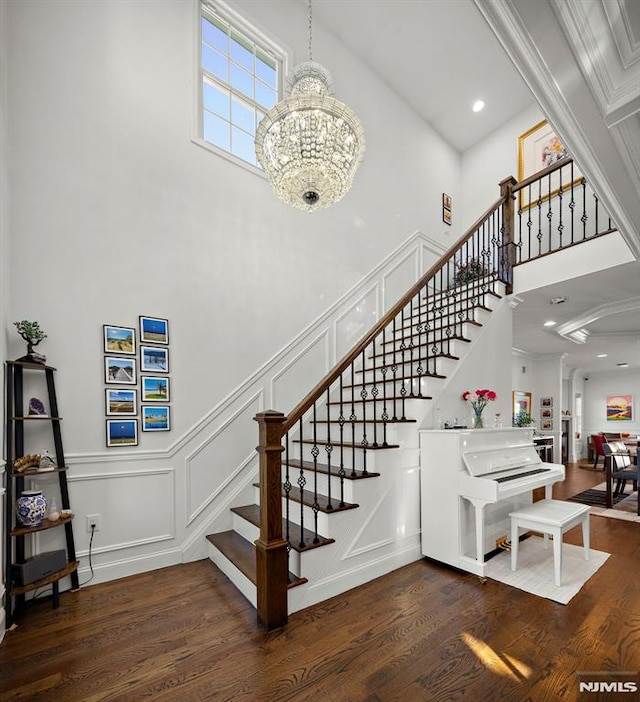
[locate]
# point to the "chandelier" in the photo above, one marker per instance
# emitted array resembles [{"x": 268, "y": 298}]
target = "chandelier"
[{"x": 310, "y": 144}]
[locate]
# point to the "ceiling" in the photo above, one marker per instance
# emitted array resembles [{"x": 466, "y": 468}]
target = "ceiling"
[{"x": 441, "y": 56}]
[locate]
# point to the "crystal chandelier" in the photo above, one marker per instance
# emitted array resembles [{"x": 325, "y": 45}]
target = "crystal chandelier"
[{"x": 310, "y": 144}]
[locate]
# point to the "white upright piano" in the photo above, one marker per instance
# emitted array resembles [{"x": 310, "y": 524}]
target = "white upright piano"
[{"x": 469, "y": 482}]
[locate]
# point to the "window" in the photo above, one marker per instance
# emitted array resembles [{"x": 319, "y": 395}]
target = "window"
[{"x": 240, "y": 81}]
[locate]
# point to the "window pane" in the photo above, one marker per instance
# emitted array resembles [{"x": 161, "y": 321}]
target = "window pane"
[
  {"x": 265, "y": 97},
  {"x": 216, "y": 131},
  {"x": 265, "y": 70},
  {"x": 241, "y": 52},
  {"x": 241, "y": 80},
  {"x": 243, "y": 146},
  {"x": 212, "y": 34},
  {"x": 215, "y": 99},
  {"x": 215, "y": 63},
  {"x": 243, "y": 116}
]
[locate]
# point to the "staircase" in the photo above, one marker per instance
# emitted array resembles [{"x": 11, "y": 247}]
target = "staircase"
[
  {"x": 341, "y": 501},
  {"x": 338, "y": 498}
]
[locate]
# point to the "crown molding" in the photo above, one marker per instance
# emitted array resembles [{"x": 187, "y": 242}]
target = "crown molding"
[{"x": 534, "y": 47}]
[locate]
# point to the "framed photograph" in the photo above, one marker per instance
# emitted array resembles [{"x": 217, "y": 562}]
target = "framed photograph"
[
  {"x": 546, "y": 414},
  {"x": 537, "y": 149},
  {"x": 156, "y": 418},
  {"x": 154, "y": 388},
  {"x": 122, "y": 432},
  {"x": 546, "y": 424},
  {"x": 521, "y": 402},
  {"x": 619, "y": 408},
  {"x": 154, "y": 330},
  {"x": 120, "y": 371},
  {"x": 546, "y": 402},
  {"x": 446, "y": 216},
  {"x": 122, "y": 402},
  {"x": 119, "y": 339},
  {"x": 154, "y": 359},
  {"x": 446, "y": 201}
]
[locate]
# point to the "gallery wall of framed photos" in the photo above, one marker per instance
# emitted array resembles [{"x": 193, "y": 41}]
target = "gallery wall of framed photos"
[{"x": 137, "y": 380}]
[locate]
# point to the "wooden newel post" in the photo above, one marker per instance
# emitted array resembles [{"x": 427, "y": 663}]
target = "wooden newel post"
[
  {"x": 508, "y": 243},
  {"x": 271, "y": 548}
]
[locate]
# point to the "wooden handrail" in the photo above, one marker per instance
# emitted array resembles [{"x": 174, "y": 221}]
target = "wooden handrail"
[
  {"x": 386, "y": 319},
  {"x": 541, "y": 174}
]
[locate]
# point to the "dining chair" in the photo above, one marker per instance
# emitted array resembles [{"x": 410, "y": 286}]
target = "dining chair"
[
  {"x": 620, "y": 467},
  {"x": 597, "y": 442}
]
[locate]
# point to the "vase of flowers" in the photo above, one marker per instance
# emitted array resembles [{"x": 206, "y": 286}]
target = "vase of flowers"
[{"x": 479, "y": 400}]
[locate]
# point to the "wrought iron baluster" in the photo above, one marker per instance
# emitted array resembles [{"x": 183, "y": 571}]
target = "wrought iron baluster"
[
  {"x": 584, "y": 217},
  {"x": 374, "y": 395},
  {"x": 352, "y": 418},
  {"x": 560, "y": 196},
  {"x": 385, "y": 414},
  {"x": 572, "y": 205},
  {"x": 329, "y": 449},
  {"x": 596, "y": 230},
  {"x": 364, "y": 443},
  {"x": 287, "y": 496},
  {"x": 302, "y": 481},
  {"x": 549, "y": 214},
  {"x": 394, "y": 370},
  {"x": 341, "y": 421},
  {"x": 315, "y": 452}
]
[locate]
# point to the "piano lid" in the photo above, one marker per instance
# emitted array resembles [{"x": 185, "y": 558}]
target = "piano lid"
[{"x": 494, "y": 460}]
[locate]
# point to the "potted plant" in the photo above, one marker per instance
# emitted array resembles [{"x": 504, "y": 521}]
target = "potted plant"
[{"x": 33, "y": 335}]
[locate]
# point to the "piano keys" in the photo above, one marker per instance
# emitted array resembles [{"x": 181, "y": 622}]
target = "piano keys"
[{"x": 470, "y": 481}]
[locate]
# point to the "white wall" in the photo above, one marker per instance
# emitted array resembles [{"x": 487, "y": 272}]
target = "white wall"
[
  {"x": 597, "y": 387},
  {"x": 486, "y": 164},
  {"x": 116, "y": 212},
  {"x": 133, "y": 218}
]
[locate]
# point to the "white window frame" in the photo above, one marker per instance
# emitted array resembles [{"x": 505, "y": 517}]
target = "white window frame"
[{"x": 256, "y": 35}]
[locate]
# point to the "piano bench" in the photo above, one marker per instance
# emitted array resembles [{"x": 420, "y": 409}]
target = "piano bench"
[{"x": 552, "y": 518}]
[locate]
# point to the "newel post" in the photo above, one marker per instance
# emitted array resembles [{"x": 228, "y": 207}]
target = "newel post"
[
  {"x": 508, "y": 243},
  {"x": 271, "y": 548}
]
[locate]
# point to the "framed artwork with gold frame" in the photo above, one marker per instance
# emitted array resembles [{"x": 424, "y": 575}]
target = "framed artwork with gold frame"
[{"x": 539, "y": 148}]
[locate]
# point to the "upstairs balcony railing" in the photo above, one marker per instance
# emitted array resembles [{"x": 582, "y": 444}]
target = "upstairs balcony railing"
[{"x": 349, "y": 409}]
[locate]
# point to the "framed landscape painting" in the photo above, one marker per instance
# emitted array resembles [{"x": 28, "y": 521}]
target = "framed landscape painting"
[
  {"x": 119, "y": 339},
  {"x": 122, "y": 402},
  {"x": 154, "y": 360},
  {"x": 154, "y": 330},
  {"x": 156, "y": 418},
  {"x": 155, "y": 389},
  {"x": 121, "y": 371},
  {"x": 122, "y": 432},
  {"x": 619, "y": 408}
]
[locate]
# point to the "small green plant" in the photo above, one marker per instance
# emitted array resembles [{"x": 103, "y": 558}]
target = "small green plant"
[
  {"x": 468, "y": 271},
  {"x": 522, "y": 419},
  {"x": 30, "y": 332}
]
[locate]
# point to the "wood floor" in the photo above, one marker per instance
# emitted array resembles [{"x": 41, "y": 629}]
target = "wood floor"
[{"x": 422, "y": 633}]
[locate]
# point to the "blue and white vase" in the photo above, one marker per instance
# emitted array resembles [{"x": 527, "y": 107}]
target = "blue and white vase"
[{"x": 31, "y": 508}]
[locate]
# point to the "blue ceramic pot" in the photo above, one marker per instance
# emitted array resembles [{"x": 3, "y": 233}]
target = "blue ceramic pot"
[{"x": 31, "y": 508}]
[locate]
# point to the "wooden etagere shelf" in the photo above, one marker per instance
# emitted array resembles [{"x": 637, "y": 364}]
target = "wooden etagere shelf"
[{"x": 15, "y": 533}]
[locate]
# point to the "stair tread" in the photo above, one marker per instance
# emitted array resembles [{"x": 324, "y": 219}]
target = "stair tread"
[
  {"x": 362, "y": 421},
  {"x": 389, "y": 399},
  {"x": 409, "y": 360},
  {"x": 300, "y": 539},
  {"x": 308, "y": 499},
  {"x": 242, "y": 554},
  {"x": 321, "y": 441},
  {"x": 324, "y": 469}
]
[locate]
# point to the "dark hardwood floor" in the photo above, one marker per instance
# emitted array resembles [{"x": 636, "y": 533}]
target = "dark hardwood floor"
[{"x": 422, "y": 633}]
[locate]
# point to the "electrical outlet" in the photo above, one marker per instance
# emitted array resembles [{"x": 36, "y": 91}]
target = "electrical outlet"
[{"x": 93, "y": 522}]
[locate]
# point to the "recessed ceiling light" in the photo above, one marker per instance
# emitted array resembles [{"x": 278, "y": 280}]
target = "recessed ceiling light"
[
  {"x": 622, "y": 365},
  {"x": 602, "y": 355},
  {"x": 478, "y": 105},
  {"x": 550, "y": 323},
  {"x": 558, "y": 300}
]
